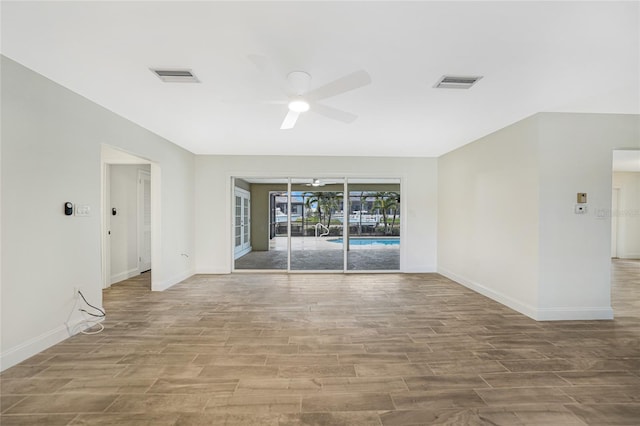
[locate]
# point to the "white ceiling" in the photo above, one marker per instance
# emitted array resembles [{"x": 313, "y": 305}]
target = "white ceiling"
[{"x": 534, "y": 56}]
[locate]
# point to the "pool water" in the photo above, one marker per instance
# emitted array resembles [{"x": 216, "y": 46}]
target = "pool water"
[{"x": 368, "y": 241}]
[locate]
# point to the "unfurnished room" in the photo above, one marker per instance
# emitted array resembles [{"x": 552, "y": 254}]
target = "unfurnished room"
[{"x": 320, "y": 213}]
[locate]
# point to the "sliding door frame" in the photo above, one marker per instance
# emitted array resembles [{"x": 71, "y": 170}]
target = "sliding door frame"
[{"x": 345, "y": 232}]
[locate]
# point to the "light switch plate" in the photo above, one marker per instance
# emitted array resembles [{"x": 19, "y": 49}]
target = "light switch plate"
[
  {"x": 581, "y": 209},
  {"x": 82, "y": 210}
]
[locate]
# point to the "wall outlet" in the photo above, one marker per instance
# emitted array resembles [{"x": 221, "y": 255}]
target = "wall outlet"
[
  {"x": 75, "y": 292},
  {"x": 581, "y": 208}
]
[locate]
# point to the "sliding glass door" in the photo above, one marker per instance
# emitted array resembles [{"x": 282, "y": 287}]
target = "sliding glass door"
[
  {"x": 317, "y": 229},
  {"x": 316, "y": 224},
  {"x": 374, "y": 225}
]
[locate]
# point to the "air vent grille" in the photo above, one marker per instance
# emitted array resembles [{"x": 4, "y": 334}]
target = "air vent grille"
[
  {"x": 456, "y": 82},
  {"x": 175, "y": 75}
]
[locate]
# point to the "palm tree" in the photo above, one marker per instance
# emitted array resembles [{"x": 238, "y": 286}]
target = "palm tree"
[
  {"x": 396, "y": 197},
  {"x": 308, "y": 199},
  {"x": 326, "y": 202},
  {"x": 386, "y": 201},
  {"x": 362, "y": 201}
]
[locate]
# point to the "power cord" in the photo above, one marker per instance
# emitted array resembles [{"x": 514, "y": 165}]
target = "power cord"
[{"x": 92, "y": 323}]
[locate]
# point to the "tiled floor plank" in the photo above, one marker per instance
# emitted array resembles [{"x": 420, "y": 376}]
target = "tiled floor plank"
[{"x": 318, "y": 349}]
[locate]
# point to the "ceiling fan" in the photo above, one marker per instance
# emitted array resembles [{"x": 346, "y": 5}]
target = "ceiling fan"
[
  {"x": 301, "y": 99},
  {"x": 315, "y": 182}
]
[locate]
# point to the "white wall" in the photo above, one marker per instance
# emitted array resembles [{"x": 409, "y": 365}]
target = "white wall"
[
  {"x": 569, "y": 277},
  {"x": 576, "y": 153},
  {"x": 51, "y": 147},
  {"x": 124, "y": 225},
  {"x": 628, "y": 214},
  {"x": 213, "y": 208},
  {"x": 488, "y": 216}
]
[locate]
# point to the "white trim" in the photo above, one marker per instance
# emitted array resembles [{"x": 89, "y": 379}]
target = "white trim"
[
  {"x": 571, "y": 313},
  {"x": 402, "y": 177},
  {"x": 426, "y": 269},
  {"x": 289, "y": 227},
  {"x": 508, "y": 301},
  {"x": 628, "y": 255},
  {"x": 232, "y": 221},
  {"x": 35, "y": 345},
  {"x": 212, "y": 271},
  {"x": 156, "y": 225},
  {"x": 142, "y": 176},
  {"x": 538, "y": 314},
  {"x": 105, "y": 223},
  {"x": 112, "y": 155},
  {"x": 32, "y": 346},
  {"x": 124, "y": 275},
  {"x": 176, "y": 279}
]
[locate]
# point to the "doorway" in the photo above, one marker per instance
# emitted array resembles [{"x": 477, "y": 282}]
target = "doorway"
[
  {"x": 625, "y": 205},
  {"x": 625, "y": 231},
  {"x": 129, "y": 216},
  {"x": 318, "y": 224},
  {"x": 242, "y": 222}
]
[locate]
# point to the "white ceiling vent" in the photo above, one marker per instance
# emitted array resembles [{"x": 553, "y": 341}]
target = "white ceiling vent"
[
  {"x": 456, "y": 82},
  {"x": 175, "y": 75}
]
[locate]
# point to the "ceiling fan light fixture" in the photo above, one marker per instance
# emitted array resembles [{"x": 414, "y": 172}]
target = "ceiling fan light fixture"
[
  {"x": 315, "y": 182},
  {"x": 299, "y": 105}
]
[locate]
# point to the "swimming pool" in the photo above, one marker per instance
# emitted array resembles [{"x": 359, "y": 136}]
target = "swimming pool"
[{"x": 369, "y": 241}]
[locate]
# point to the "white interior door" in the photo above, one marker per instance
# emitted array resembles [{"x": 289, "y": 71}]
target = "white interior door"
[
  {"x": 144, "y": 220},
  {"x": 242, "y": 222}
]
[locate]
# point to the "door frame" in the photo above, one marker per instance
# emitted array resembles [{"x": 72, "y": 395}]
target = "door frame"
[
  {"x": 231, "y": 179},
  {"x": 245, "y": 245},
  {"x": 110, "y": 156},
  {"x": 142, "y": 175}
]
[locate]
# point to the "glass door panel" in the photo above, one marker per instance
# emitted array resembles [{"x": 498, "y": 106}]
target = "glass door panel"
[
  {"x": 374, "y": 225},
  {"x": 317, "y": 224},
  {"x": 260, "y": 224}
]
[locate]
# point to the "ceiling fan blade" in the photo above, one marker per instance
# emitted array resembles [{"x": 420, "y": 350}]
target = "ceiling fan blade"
[
  {"x": 290, "y": 120},
  {"x": 334, "y": 113},
  {"x": 343, "y": 84}
]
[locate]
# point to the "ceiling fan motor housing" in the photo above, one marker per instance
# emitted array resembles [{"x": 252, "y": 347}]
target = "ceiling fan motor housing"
[{"x": 299, "y": 82}]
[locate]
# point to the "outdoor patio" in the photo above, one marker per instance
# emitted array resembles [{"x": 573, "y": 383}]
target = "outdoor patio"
[{"x": 320, "y": 254}]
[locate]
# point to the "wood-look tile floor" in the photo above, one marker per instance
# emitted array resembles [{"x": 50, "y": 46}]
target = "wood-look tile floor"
[{"x": 270, "y": 349}]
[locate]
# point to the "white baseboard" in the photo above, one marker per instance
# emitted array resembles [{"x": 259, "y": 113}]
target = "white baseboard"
[
  {"x": 574, "y": 314},
  {"x": 124, "y": 275},
  {"x": 508, "y": 301},
  {"x": 539, "y": 314},
  {"x": 39, "y": 343},
  {"x": 426, "y": 269},
  {"x": 170, "y": 282},
  {"x": 628, "y": 255},
  {"x": 212, "y": 271}
]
